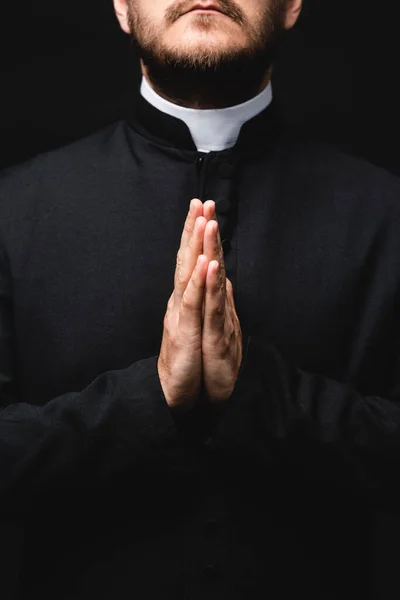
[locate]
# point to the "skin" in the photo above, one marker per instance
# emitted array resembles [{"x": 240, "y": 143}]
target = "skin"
[
  {"x": 207, "y": 60},
  {"x": 204, "y": 61}
]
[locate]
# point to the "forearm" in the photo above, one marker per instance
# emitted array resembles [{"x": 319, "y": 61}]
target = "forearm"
[{"x": 319, "y": 427}]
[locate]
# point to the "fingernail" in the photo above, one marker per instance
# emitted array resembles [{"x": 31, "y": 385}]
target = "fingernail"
[{"x": 191, "y": 207}]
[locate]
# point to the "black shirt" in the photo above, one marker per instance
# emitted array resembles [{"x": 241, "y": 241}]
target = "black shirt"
[{"x": 111, "y": 495}]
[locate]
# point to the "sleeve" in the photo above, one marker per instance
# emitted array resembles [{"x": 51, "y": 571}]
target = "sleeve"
[
  {"x": 312, "y": 427},
  {"x": 120, "y": 421}
]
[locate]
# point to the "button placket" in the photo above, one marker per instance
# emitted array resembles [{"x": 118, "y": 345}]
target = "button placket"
[{"x": 216, "y": 182}]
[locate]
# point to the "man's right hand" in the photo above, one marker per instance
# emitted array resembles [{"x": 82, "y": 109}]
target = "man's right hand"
[{"x": 180, "y": 361}]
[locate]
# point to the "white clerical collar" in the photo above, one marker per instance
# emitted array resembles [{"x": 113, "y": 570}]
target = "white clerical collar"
[{"x": 211, "y": 129}]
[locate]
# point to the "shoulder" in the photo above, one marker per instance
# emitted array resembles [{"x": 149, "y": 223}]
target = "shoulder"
[
  {"x": 61, "y": 168},
  {"x": 326, "y": 172},
  {"x": 59, "y": 187},
  {"x": 326, "y": 161}
]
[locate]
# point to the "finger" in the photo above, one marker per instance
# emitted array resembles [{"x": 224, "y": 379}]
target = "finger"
[
  {"x": 191, "y": 247},
  {"x": 214, "y": 302},
  {"x": 213, "y": 247},
  {"x": 186, "y": 261},
  {"x": 190, "y": 322},
  {"x": 229, "y": 291},
  {"x": 209, "y": 210},
  {"x": 195, "y": 210}
]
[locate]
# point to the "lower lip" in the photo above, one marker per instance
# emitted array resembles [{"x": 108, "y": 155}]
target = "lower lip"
[{"x": 202, "y": 10}]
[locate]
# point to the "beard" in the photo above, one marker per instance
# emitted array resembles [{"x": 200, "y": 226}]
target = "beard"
[{"x": 208, "y": 77}]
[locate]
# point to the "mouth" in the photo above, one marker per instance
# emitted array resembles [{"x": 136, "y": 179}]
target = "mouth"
[{"x": 207, "y": 7}]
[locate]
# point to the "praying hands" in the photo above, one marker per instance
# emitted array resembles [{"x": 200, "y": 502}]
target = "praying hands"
[{"x": 202, "y": 337}]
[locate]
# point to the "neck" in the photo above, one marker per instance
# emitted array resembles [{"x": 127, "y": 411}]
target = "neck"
[{"x": 205, "y": 90}]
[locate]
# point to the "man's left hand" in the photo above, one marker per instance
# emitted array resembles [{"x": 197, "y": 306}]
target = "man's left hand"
[{"x": 222, "y": 342}]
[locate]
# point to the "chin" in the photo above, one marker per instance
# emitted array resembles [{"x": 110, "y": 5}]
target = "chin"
[
  {"x": 206, "y": 26},
  {"x": 189, "y": 40},
  {"x": 198, "y": 54}
]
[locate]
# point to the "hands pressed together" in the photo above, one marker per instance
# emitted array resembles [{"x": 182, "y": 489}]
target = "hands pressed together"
[{"x": 202, "y": 338}]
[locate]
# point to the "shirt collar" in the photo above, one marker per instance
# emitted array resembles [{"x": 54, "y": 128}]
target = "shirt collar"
[
  {"x": 256, "y": 134},
  {"x": 212, "y": 130}
]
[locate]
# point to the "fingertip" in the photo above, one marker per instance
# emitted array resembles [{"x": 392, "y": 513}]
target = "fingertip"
[
  {"x": 201, "y": 271},
  {"x": 214, "y": 266},
  {"x": 209, "y": 209},
  {"x": 200, "y": 260},
  {"x": 194, "y": 204},
  {"x": 211, "y": 279}
]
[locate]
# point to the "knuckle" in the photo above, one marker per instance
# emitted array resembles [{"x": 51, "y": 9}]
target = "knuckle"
[
  {"x": 220, "y": 310},
  {"x": 166, "y": 322},
  {"x": 169, "y": 342},
  {"x": 188, "y": 228},
  {"x": 181, "y": 278},
  {"x": 179, "y": 259},
  {"x": 231, "y": 334},
  {"x": 186, "y": 303},
  {"x": 171, "y": 301},
  {"x": 222, "y": 344}
]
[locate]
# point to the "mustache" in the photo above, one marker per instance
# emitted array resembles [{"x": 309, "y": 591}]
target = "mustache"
[{"x": 227, "y": 7}]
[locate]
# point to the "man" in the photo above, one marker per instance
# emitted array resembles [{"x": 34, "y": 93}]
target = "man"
[{"x": 233, "y": 438}]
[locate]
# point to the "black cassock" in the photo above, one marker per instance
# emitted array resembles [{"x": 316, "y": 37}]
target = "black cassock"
[{"x": 106, "y": 494}]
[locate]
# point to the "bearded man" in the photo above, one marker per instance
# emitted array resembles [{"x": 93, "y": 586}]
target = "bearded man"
[{"x": 199, "y": 403}]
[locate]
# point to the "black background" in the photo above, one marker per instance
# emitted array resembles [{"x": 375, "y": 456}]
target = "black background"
[{"x": 67, "y": 69}]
